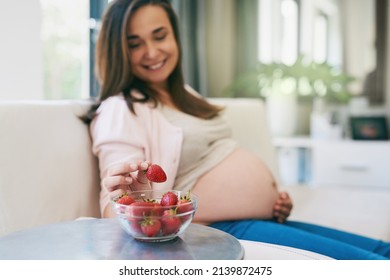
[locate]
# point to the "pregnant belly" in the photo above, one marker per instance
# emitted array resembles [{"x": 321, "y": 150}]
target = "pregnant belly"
[{"x": 240, "y": 187}]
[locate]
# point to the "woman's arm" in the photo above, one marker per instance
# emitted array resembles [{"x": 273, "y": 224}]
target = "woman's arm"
[{"x": 116, "y": 141}]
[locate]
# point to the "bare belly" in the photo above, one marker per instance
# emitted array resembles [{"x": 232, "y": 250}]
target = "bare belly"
[{"x": 240, "y": 187}]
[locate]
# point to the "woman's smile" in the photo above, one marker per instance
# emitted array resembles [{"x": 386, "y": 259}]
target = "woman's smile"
[{"x": 155, "y": 66}]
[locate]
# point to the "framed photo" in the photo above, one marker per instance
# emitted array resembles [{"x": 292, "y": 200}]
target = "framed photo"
[{"x": 369, "y": 128}]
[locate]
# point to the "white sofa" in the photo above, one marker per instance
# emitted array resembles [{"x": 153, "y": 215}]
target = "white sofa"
[{"x": 48, "y": 173}]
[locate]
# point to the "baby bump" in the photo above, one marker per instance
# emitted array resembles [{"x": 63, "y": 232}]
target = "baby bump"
[{"x": 240, "y": 187}]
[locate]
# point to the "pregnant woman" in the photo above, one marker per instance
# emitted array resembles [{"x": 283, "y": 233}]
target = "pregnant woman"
[{"x": 146, "y": 114}]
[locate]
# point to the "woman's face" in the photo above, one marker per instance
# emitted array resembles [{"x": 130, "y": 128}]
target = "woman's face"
[{"x": 153, "y": 50}]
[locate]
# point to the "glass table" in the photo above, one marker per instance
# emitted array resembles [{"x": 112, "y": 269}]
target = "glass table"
[{"x": 104, "y": 239}]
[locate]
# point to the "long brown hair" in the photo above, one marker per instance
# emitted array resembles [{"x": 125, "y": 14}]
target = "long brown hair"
[{"x": 113, "y": 69}]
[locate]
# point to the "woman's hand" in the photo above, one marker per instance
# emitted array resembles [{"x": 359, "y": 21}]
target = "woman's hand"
[
  {"x": 126, "y": 176},
  {"x": 282, "y": 207}
]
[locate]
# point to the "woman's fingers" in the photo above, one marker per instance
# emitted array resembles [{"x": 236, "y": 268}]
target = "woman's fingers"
[
  {"x": 280, "y": 216},
  {"x": 141, "y": 176},
  {"x": 285, "y": 211},
  {"x": 122, "y": 168},
  {"x": 125, "y": 176},
  {"x": 283, "y": 206},
  {"x": 112, "y": 183},
  {"x": 286, "y": 200}
]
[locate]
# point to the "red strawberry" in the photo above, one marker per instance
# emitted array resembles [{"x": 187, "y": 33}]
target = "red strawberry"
[
  {"x": 150, "y": 227},
  {"x": 156, "y": 174},
  {"x": 135, "y": 225},
  {"x": 157, "y": 210},
  {"x": 125, "y": 199},
  {"x": 146, "y": 208},
  {"x": 184, "y": 205},
  {"x": 141, "y": 208},
  {"x": 169, "y": 199},
  {"x": 170, "y": 223}
]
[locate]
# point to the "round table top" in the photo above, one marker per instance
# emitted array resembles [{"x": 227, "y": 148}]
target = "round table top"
[{"x": 105, "y": 239}]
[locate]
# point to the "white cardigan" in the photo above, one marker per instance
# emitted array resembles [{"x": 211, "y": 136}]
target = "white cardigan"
[{"x": 120, "y": 136}]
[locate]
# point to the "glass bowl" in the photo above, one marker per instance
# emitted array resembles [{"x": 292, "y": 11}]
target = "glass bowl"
[{"x": 146, "y": 219}]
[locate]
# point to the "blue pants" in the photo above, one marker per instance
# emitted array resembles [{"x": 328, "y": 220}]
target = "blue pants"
[{"x": 326, "y": 241}]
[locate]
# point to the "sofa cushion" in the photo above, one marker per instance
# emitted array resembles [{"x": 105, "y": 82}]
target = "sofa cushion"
[
  {"x": 357, "y": 210},
  {"x": 48, "y": 173}
]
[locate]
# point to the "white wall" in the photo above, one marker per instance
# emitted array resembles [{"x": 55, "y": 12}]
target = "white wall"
[{"x": 21, "y": 74}]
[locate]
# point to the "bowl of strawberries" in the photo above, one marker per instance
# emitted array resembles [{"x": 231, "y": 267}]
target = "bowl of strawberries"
[{"x": 155, "y": 216}]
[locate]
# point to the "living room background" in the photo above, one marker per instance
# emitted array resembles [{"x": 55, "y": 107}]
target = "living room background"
[{"x": 221, "y": 40}]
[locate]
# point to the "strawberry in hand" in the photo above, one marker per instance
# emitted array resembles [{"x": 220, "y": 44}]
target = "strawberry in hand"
[{"x": 156, "y": 174}]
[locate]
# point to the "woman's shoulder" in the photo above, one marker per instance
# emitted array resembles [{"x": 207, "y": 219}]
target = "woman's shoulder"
[
  {"x": 117, "y": 105},
  {"x": 114, "y": 113},
  {"x": 115, "y": 102},
  {"x": 112, "y": 109},
  {"x": 112, "y": 101},
  {"x": 119, "y": 100}
]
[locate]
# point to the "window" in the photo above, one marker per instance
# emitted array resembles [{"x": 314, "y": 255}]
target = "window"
[
  {"x": 69, "y": 32},
  {"x": 278, "y": 31},
  {"x": 320, "y": 38},
  {"x": 288, "y": 28},
  {"x": 65, "y": 43},
  {"x": 96, "y": 10},
  {"x": 289, "y": 31}
]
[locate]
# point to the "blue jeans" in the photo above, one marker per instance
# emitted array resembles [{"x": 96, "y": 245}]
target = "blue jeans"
[{"x": 326, "y": 241}]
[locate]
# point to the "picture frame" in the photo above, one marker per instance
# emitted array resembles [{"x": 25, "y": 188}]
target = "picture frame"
[{"x": 369, "y": 128}]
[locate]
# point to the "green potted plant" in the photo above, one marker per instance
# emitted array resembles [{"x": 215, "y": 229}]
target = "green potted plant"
[
  {"x": 304, "y": 79},
  {"x": 283, "y": 86}
]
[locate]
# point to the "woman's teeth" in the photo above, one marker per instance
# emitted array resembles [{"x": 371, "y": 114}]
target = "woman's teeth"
[{"x": 156, "y": 66}]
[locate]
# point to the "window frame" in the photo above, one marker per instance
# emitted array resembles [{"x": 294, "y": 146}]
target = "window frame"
[{"x": 96, "y": 9}]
